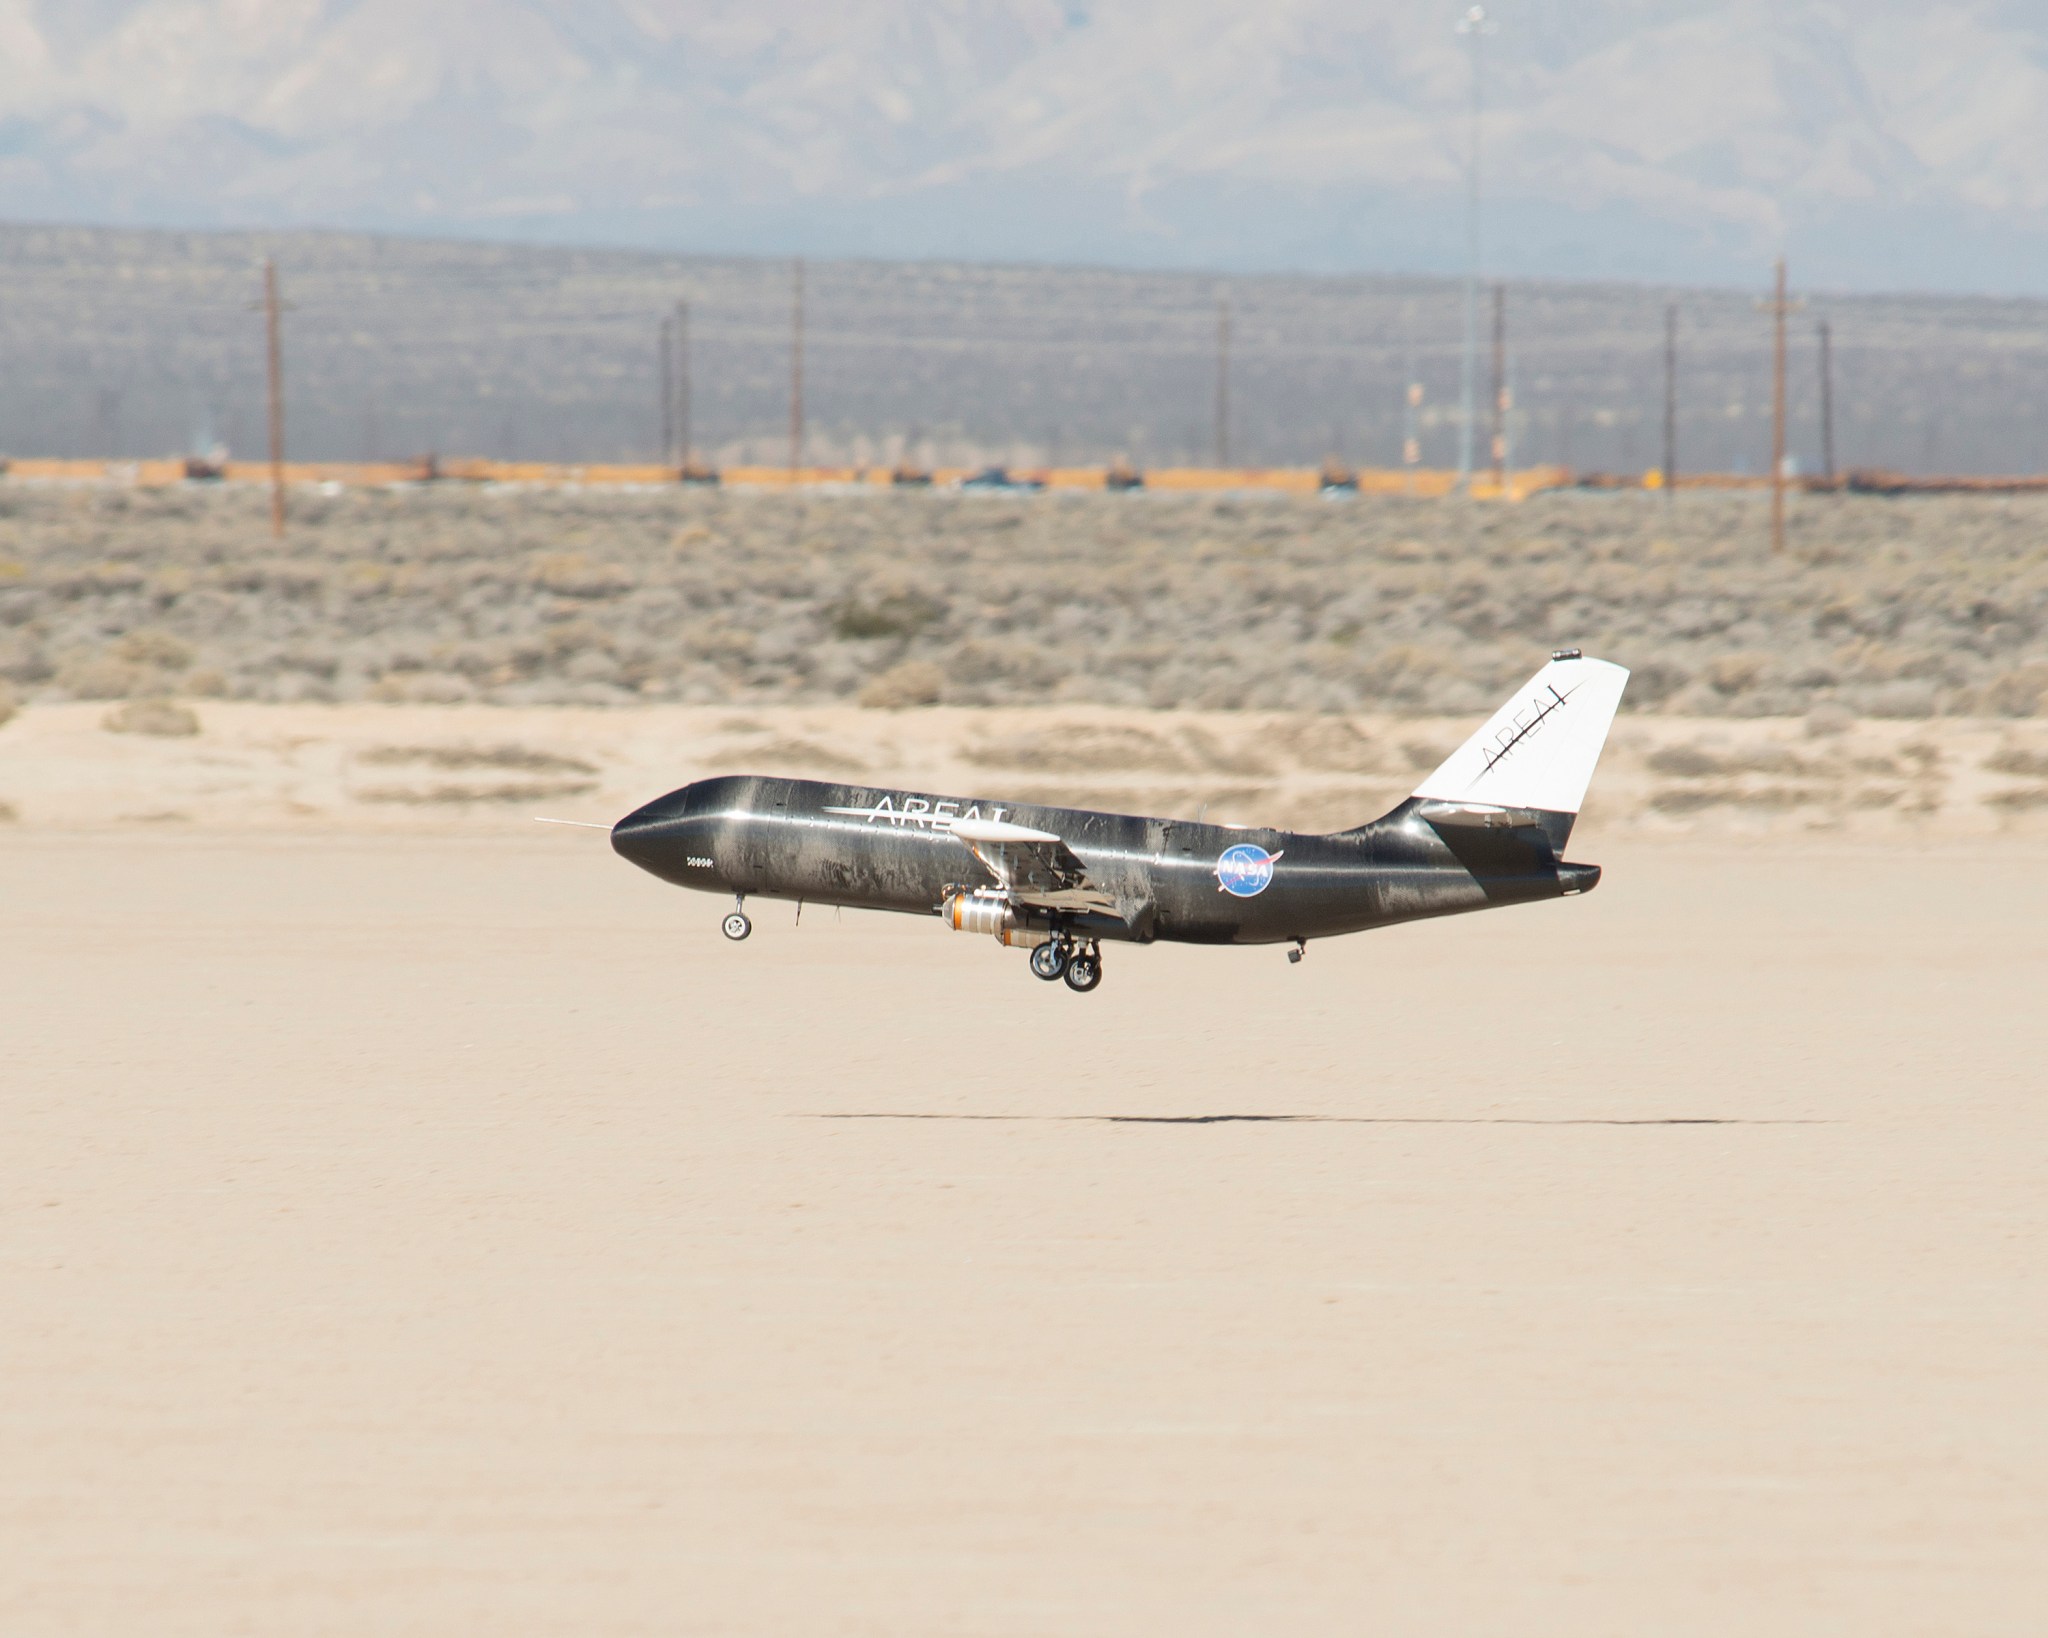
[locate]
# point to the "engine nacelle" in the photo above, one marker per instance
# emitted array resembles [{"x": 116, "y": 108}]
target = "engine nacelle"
[{"x": 995, "y": 915}]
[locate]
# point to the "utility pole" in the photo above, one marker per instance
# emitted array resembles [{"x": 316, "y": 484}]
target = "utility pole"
[
  {"x": 107, "y": 422},
  {"x": 1411, "y": 435},
  {"x": 796, "y": 372},
  {"x": 1670, "y": 400},
  {"x": 685, "y": 435},
  {"x": 1779, "y": 308},
  {"x": 668, "y": 393},
  {"x": 1475, "y": 27},
  {"x": 273, "y": 326},
  {"x": 1827, "y": 403},
  {"x": 1223, "y": 381},
  {"x": 1500, "y": 390}
]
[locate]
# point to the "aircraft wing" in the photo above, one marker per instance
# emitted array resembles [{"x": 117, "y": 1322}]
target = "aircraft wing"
[{"x": 1034, "y": 867}]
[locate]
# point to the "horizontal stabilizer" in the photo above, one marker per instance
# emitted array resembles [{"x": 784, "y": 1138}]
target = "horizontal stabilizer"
[{"x": 1540, "y": 749}]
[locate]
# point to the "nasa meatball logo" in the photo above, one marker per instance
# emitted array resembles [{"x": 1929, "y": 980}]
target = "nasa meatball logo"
[{"x": 1246, "y": 871}]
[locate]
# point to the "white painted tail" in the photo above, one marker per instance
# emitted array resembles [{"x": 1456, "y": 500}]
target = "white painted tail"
[{"x": 1540, "y": 749}]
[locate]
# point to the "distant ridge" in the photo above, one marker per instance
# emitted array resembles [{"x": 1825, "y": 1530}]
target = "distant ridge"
[{"x": 1886, "y": 144}]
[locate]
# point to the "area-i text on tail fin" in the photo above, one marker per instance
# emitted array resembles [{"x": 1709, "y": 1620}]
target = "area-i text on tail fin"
[{"x": 1538, "y": 751}]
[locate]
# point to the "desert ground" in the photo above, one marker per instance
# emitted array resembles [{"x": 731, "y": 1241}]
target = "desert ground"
[
  {"x": 416, "y": 1220},
  {"x": 413, "y": 1232}
]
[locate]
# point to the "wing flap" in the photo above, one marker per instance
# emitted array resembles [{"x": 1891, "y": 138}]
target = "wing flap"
[{"x": 1034, "y": 867}]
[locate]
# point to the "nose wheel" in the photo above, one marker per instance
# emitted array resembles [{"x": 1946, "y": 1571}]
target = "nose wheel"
[{"x": 736, "y": 926}]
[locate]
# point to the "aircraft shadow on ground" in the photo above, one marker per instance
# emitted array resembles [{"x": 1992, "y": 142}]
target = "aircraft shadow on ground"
[{"x": 1344, "y": 1120}]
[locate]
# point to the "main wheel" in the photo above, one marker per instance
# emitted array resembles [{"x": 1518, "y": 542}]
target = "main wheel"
[
  {"x": 1084, "y": 972},
  {"x": 1049, "y": 962},
  {"x": 737, "y": 927}
]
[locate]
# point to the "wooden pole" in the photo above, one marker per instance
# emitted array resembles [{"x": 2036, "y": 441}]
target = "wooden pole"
[
  {"x": 1827, "y": 403},
  {"x": 685, "y": 438},
  {"x": 1778, "y": 414},
  {"x": 796, "y": 372},
  {"x": 1411, "y": 436},
  {"x": 1670, "y": 400},
  {"x": 668, "y": 393},
  {"x": 273, "y": 325},
  {"x": 1222, "y": 381},
  {"x": 1500, "y": 389}
]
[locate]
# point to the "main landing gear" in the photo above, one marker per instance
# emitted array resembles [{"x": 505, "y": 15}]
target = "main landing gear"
[
  {"x": 736, "y": 926},
  {"x": 1079, "y": 964}
]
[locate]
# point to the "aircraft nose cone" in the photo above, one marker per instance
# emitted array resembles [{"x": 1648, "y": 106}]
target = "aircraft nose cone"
[
  {"x": 652, "y": 837},
  {"x": 636, "y": 838}
]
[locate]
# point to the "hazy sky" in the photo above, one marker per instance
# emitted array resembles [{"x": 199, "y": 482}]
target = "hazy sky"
[{"x": 1884, "y": 144}]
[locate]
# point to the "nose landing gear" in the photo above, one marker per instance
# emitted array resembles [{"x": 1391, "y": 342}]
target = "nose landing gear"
[{"x": 736, "y": 926}]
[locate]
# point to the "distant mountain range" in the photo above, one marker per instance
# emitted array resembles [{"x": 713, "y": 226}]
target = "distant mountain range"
[{"x": 1887, "y": 145}]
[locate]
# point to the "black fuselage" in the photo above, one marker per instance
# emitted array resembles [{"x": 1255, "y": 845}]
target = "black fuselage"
[{"x": 750, "y": 836}]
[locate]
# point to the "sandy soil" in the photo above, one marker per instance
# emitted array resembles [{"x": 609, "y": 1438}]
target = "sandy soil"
[
  {"x": 489, "y": 770},
  {"x": 413, "y": 1233}
]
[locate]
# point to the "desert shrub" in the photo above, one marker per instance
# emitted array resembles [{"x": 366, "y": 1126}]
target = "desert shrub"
[
  {"x": 1736, "y": 673},
  {"x": 2019, "y": 693},
  {"x": 165, "y": 719},
  {"x": 1328, "y": 745},
  {"x": 2015, "y": 759},
  {"x": 914, "y": 682},
  {"x": 1652, "y": 683},
  {"x": 802, "y": 757},
  {"x": 995, "y": 661},
  {"x": 898, "y": 614},
  {"x": 1828, "y": 719},
  {"x": 149, "y": 647},
  {"x": 421, "y": 688},
  {"x": 1079, "y": 747},
  {"x": 104, "y": 678},
  {"x": 522, "y": 758},
  {"x": 1901, "y": 700},
  {"x": 7, "y": 706},
  {"x": 22, "y": 660},
  {"x": 570, "y": 574},
  {"x": 1772, "y": 759},
  {"x": 1685, "y": 762},
  {"x": 537, "y": 790}
]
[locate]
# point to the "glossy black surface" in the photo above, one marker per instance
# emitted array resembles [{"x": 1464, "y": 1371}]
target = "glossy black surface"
[{"x": 890, "y": 850}]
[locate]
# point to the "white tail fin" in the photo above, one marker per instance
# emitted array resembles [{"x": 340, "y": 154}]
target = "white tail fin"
[{"x": 1540, "y": 749}]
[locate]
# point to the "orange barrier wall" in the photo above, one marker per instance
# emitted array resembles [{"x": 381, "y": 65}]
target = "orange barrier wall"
[{"x": 1423, "y": 483}]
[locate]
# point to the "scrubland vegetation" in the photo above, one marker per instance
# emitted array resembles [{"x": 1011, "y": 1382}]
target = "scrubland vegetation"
[{"x": 1879, "y": 608}]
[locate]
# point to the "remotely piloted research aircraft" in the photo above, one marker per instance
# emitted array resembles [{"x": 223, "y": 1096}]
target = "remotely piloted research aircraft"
[{"x": 1489, "y": 827}]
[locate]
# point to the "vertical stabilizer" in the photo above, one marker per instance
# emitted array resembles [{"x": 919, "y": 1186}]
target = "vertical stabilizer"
[{"x": 1539, "y": 750}]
